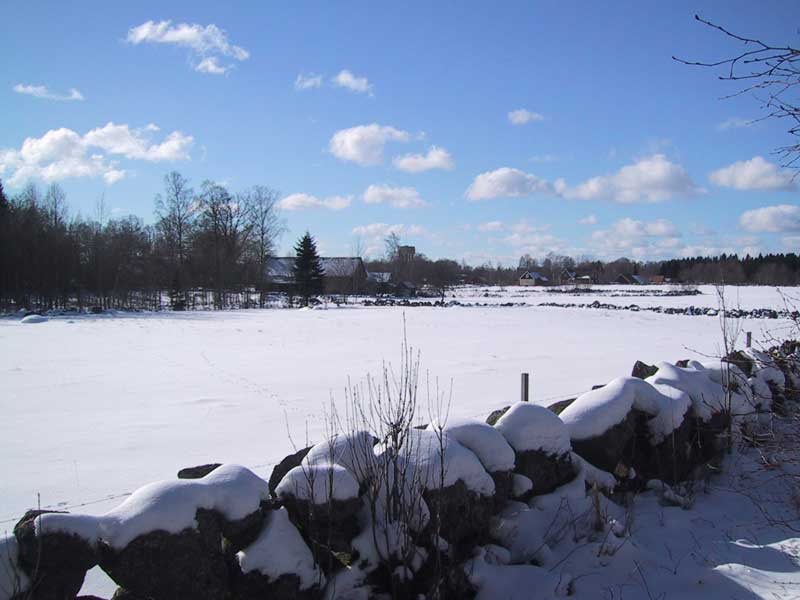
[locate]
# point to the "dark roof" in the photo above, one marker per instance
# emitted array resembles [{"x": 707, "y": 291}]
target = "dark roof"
[{"x": 279, "y": 269}]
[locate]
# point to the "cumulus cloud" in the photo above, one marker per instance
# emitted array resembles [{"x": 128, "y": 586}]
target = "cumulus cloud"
[
  {"x": 63, "y": 153},
  {"x": 521, "y": 116},
  {"x": 588, "y": 220},
  {"x": 41, "y": 91},
  {"x": 436, "y": 158},
  {"x": 651, "y": 179},
  {"x": 134, "y": 143},
  {"x": 491, "y": 226},
  {"x": 783, "y": 218},
  {"x": 506, "y": 182},
  {"x": 364, "y": 144},
  {"x": 375, "y": 233},
  {"x": 399, "y": 197},
  {"x": 294, "y": 202},
  {"x": 753, "y": 174},
  {"x": 307, "y": 82},
  {"x": 345, "y": 79},
  {"x": 640, "y": 239},
  {"x": 206, "y": 44}
]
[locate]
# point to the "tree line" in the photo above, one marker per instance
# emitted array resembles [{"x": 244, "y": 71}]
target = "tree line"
[
  {"x": 208, "y": 249},
  {"x": 209, "y": 238}
]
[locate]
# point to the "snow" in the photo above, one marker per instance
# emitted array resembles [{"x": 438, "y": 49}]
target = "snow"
[
  {"x": 12, "y": 579},
  {"x": 280, "y": 550},
  {"x": 706, "y": 395},
  {"x": 595, "y": 412},
  {"x": 520, "y": 485},
  {"x": 33, "y": 319},
  {"x": 170, "y": 506},
  {"x": 485, "y": 441},
  {"x": 181, "y": 389},
  {"x": 318, "y": 483},
  {"x": 527, "y": 426},
  {"x": 351, "y": 451},
  {"x": 440, "y": 461}
]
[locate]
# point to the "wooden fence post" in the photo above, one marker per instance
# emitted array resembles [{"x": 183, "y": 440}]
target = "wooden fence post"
[
  {"x": 749, "y": 339},
  {"x": 525, "y": 387}
]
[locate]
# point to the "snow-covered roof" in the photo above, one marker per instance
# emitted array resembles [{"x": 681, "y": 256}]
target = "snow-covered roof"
[
  {"x": 534, "y": 275},
  {"x": 279, "y": 269},
  {"x": 379, "y": 277}
]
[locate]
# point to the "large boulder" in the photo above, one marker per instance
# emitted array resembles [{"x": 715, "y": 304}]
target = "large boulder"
[
  {"x": 615, "y": 447},
  {"x": 642, "y": 370},
  {"x": 323, "y": 502},
  {"x": 197, "y": 472},
  {"x": 54, "y": 561},
  {"x": 464, "y": 515},
  {"x": 541, "y": 443},
  {"x": 278, "y": 564},
  {"x": 189, "y": 565},
  {"x": 286, "y": 465}
]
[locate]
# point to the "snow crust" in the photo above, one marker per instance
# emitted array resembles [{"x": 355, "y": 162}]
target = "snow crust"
[
  {"x": 280, "y": 550},
  {"x": 170, "y": 506},
  {"x": 429, "y": 455},
  {"x": 528, "y": 426},
  {"x": 486, "y": 442},
  {"x": 595, "y": 412},
  {"x": 318, "y": 483},
  {"x": 707, "y": 396},
  {"x": 352, "y": 451},
  {"x": 33, "y": 319}
]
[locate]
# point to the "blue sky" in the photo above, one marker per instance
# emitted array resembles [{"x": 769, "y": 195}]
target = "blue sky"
[{"x": 478, "y": 131}]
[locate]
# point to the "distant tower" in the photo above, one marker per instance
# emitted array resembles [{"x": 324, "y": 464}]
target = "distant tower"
[{"x": 406, "y": 253}]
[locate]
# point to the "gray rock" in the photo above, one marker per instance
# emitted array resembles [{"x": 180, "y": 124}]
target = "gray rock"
[
  {"x": 643, "y": 370},
  {"x": 464, "y": 515},
  {"x": 56, "y": 563},
  {"x": 495, "y": 415},
  {"x": 197, "y": 472},
  {"x": 286, "y": 465},
  {"x": 546, "y": 471},
  {"x": 189, "y": 565}
]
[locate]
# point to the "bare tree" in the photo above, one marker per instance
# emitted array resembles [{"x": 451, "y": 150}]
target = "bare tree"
[
  {"x": 266, "y": 226},
  {"x": 771, "y": 73},
  {"x": 176, "y": 211}
]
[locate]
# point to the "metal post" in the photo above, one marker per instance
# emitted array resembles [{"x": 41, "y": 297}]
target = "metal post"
[
  {"x": 749, "y": 338},
  {"x": 525, "y": 383}
]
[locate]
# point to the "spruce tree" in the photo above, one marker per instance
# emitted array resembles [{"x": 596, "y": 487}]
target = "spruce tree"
[{"x": 307, "y": 269}]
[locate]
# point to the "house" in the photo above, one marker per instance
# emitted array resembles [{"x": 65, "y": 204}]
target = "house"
[
  {"x": 567, "y": 276},
  {"x": 343, "y": 274},
  {"x": 657, "y": 279},
  {"x": 405, "y": 289},
  {"x": 628, "y": 279},
  {"x": 379, "y": 283},
  {"x": 533, "y": 278}
]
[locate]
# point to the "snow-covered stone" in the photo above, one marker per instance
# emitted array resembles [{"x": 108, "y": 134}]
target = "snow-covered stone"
[{"x": 528, "y": 426}]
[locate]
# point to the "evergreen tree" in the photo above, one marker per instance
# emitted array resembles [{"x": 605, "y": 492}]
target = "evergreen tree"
[{"x": 307, "y": 269}]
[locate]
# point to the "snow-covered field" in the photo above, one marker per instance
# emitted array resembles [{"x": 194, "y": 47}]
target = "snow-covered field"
[{"x": 94, "y": 406}]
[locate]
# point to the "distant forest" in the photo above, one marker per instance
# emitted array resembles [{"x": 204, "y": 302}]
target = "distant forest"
[{"x": 217, "y": 242}]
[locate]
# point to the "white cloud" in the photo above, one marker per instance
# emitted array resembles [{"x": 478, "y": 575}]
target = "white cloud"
[
  {"x": 41, "y": 91},
  {"x": 735, "y": 123},
  {"x": 132, "y": 143},
  {"x": 207, "y": 44},
  {"x": 506, "y": 182},
  {"x": 791, "y": 242},
  {"x": 588, "y": 220},
  {"x": 639, "y": 239},
  {"x": 651, "y": 179},
  {"x": 521, "y": 116},
  {"x": 436, "y": 158},
  {"x": 346, "y": 79},
  {"x": 302, "y": 201},
  {"x": 211, "y": 65},
  {"x": 753, "y": 174},
  {"x": 375, "y": 232},
  {"x": 63, "y": 153},
  {"x": 364, "y": 144},
  {"x": 399, "y": 197},
  {"x": 491, "y": 226},
  {"x": 783, "y": 218},
  {"x": 307, "y": 82}
]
